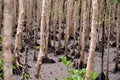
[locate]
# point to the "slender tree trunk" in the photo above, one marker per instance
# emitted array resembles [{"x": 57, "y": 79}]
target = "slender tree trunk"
[
  {"x": 36, "y": 17},
  {"x": 113, "y": 7},
  {"x": 75, "y": 18},
  {"x": 7, "y": 40},
  {"x": 80, "y": 25},
  {"x": 55, "y": 18},
  {"x": 18, "y": 40},
  {"x": 100, "y": 5},
  {"x": 42, "y": 42},
  {"x": 103, "y": 38},
  {"x": 48, "y": 8},
  {"x": 93, "y": 40},
  {"x": 28, "y": 20},
  {"x": 20, "y": 25},
  {"x": 1, "y": 14},
  {"x": 108, "y": 42},
  {"x": 83, "y": 34},
  {"x": 68, "y": 24},
  {"x": 118, "y": 30},
  {"x": 60, "y": 22},
  {"x": 25, "y": 69},
  {"x": 88, "y": 23},
  {"x": 35, "y": 23},
  {"x": 14, "y": 16}
]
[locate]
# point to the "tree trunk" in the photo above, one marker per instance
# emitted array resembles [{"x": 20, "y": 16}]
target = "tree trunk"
[
  {"x": 83, "y": 33},
  {"x": 35, "y": 24},
  {"x": 7, "y": 40},
  {"x": 108, "y": 41},
  {"x": 36, "y": 17},
  {"x": 60, "y": 22},
  {"x": 75, "y": 20},
  {"x": 42, "y": 42},
  {"x": 28, "y": 20},
  {"x": 100, "y": 6},
  {"x": 18, "y": 40},
  {"x": 93, "y": 40},
  {"x": 1, "y": 14},
  {"x": 117, "y": 37},
  {"x": 68, "y": 24},
  {"x": 48, "y": 8},
  {"x": 55, "y": 18},
  {"x": 15, "y": 8}
]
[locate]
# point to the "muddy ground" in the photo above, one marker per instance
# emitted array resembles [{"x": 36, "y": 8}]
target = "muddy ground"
[{"x": 58, "y": 71}]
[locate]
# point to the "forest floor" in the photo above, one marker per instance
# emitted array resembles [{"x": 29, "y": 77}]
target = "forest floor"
[{"x": 58, "y": 71}]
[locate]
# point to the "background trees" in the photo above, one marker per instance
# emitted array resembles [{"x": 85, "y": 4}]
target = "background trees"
[{"x": 60, "y": 27}]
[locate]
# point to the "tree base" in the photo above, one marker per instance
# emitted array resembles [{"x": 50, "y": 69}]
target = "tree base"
[
  {"x": 34, "y": 58},
  {"x": 79, "y": 65},
  {"x": 47, "y": 60},
  {"x": 101, "y": 76},
  {"x": 51, "y": 49},
  {"x": 77, "y": 56},
  {"x": 59, "y": 52},
  {"x": 18, "y": 69},
  {"x": 115, "y": 70},
  {"x": 73, "y": 53}
]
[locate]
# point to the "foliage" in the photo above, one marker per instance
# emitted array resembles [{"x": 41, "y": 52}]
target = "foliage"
[
  {"x": 94, "y": 75},
  {"x": 65, "y": 62},
  {"x": 1, "y": 64},
  {"x": 80, "y": 75},
  {"x": 118, "y": 1},
  {"x": 0, "y": 39},
  {"x": 114, "y": 1},
  {"x": 56, "y": 78},
  {"x": 76, "y": 74},
  {"x": 26, "y": 76},
  {"x": 75, "y": 0},
  {"x": 99, "y": 19},
  {"x": 37, "y": 48},
  {"x": 1, "y": 68},
  {"x": 0, "y": 52}
]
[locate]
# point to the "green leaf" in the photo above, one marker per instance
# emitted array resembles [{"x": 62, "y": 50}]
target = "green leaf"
[
  {"x": 82, "y": 73},
  {"x": 99, "y": 19},
  {"x": 94, "y": 75},
  {"x": 71, "y": 72},
  {"x": 75, "y": 0},
  {"x": 1, "y": 64},
  {"x": 0, "y": 39},
  {"x": 63, "y": 58},
  {"x": 0, "y": 52},
  {"x": 1, "y": 75},
  {"x": 74, "y": 77},
  {"x": 13, "y": 67},
  {"x": 68, "y": 63},
  {"x": 111, "y": 1},
  {"x": 69, "y": 78},
  {"x": 118, "y": 1},
  {"x": 37, "y": 48},
  {"x": 65, "y": 62},
  {"x": 26, "y": 75},
  {"x": 114, "y": 1},
  {"x": 56, "y": 78}
]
